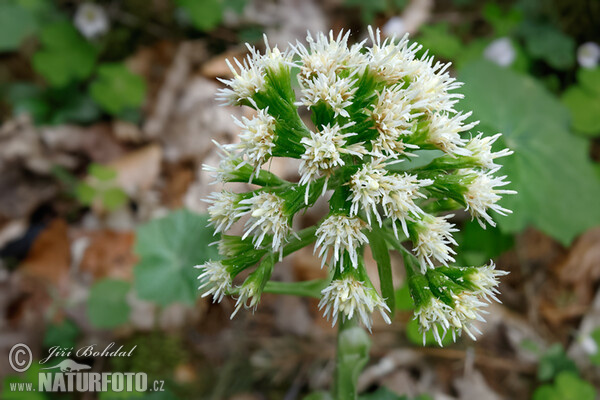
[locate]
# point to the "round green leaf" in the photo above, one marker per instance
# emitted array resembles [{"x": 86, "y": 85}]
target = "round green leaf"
[
  {"x": 117, "y": 89},
  {"x": 107, "y": 305}
]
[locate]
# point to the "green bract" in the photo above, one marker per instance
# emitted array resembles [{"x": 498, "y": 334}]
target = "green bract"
[{"x": 373, "y": 109}]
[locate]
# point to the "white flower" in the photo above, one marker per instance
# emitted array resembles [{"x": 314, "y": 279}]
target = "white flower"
[
  {"x": 349, "y": 296},
  {"x": 501, "y": 51},
  {"x": 480, "y": 147},
  {"x": 248, "y": 297},
  {"x": 431, "y": 315},
  {"x": 341, "y": 233},
  {"x": 273, "y": 59},
  {"x": 391, "y": 115},
  {"x": 91, "y": 20},
  {"x": 588, "y": 55},
  {"x": 244, "y": 84},
  {"x": 225, "y": 171},
  {"x": 444, "y": 133},
  {"x": 223, "y": 211},
  {"x": 431, "y": 86},
  {"x": 256, "y": 138},
  {"x": 326, "y": 55},
  {"x": 466, "y": 310},
  {"x": 367, "y": 190},
  {"x": 481, "y": 195},
  {"x": 332, "y": 90},
  {"x": 217, "y": 280},
  {"x": 400, "y": 193},
  {"x": 324, "y": 150},
  {"x": 486, "y": 279},
  {"x": 267, "y": 217},
  {"x": 391, "y": 61},
  {"x": 434, "y": 237}
]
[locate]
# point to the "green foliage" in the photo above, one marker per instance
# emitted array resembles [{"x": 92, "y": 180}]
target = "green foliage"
[
  {"x": 370, "y": 8},
  {"x": 381, "y": 255},
  {"x": 63, "y": 334},
  {"x": 168, "y": 248},
  {"x": 404, "y": 301},
  {"x": 65, "y": 57},
  {"x": 583, "y": 101},
  {"x": 503, "y": 23},
  {"x": 385, "y": 394},
  {"x": 353, "y": 354},
  {"x": 107, "y": 305},
  {"x": 535, "y": 126},
  {"x": 553, "y": 362},
  {"x": 205, "y": 14},
  {"x": 545, "y": 42},
  {"x": 477, "y": 245},
  {"x": 101, "y": 188},
  {"x": 16, "y": 23},
  {"x": 567, "y": 386},
  {"x": 595, "y": 336},
  {"x": 117, "y": 89},
  {"x": 438, "y": 39}
]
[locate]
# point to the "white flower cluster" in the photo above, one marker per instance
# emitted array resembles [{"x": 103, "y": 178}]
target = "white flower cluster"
[
  {"x": 373, "y": 107},
  {"x": 465, "y": 308}
]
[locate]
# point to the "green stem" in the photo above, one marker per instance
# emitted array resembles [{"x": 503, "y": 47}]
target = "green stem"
[
  {"x": 305, "y": 237},
  {"x": 307, "y": 288},
  {"x": 352, "y": 355}
]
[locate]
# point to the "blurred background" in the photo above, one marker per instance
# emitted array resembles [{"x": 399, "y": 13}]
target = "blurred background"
[{"x": 107, "y": 112}]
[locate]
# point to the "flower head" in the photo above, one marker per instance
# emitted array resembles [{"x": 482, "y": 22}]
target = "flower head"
[
  {"x": 332, "y": 90},
  {"x": 341, "y": 234},
  {"x": 216, "y": 280},
  {"x": 248, "y": 79},
  {"x": 433, "y": 240},
  {"x": 481, "y": 195},
  {"x": 267, "y": 217},
  {"x": 480, "y": 147},
  {"x": 349, "y": 296},
  {"x": 486, "y": 280},
  {"x": 256, "y": 138},
  {"x": 444, "y": 133},
  {"x": 223, "y": 212}
]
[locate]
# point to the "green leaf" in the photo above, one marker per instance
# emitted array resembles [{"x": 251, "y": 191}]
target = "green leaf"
[
  {"x": 553, "y": 362},
  {"x": 382, "y": 394},
  {"x": 205, "y": 14},
  {"x": 306, "y": 288},
  {"x": 16, "y": 23},
  {"x": 107, "y": 305},
  {"x": 477, "y": 245},
  {"x": 65, "y": 57},
  {"x": 502, "y": 23},
  {"x": 567, "y": 386},
  {"x": 116, "y": 88},
  {"x": 583, "y": 101},
  {"x": 404, "y": 301},
  {"x": 440, "y": 41},
  {"x": 113, "y": 198},
  {"x": 85, "y": 193},
  {"x": 27, "y": 98},
  {"x": 546, "y": 42},
  {"x": 63, "y": 334},
  {"x": 550, "y": 169},
  {"x": 169, "y": 248},
  {"x": 101, "y": 172},
  {"x": 381, "y": 255}
]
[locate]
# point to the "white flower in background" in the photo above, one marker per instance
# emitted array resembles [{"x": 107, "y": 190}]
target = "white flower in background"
[
  {"x": 486, "y": 278},
  {"x": 394, "y": 26},
  {"x": 444, "y": 132},
  {"x": 501, "y": 51},
  {"x": 332, "y": 90},
  {"x": 91, "y": 20},
  {"x": 324, "y": 151},
  {"x": 217, "y": 280},
  {"x": 267, "y": 217},
  {"x": 588, "y": 55},
  {"x": 482, "y": 195},
  {"x": 434, "y": 237},
  {"x": 256, "y": 138},
  {"x": 224, "y": 210},
  {"x": 349, "y": 296},
  {"x": 480, "y": 147},
  {"x": 341, "y": 234},
  {"x": 246, "y": 82}
]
